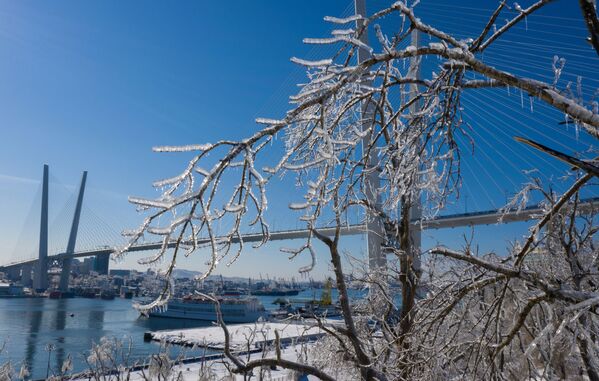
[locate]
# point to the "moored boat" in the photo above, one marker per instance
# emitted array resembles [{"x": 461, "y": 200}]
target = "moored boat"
[
  {"x": 57, "y": 294},
  {"x": 107, "y": 295},
  {"x": 195, "y": 307}
]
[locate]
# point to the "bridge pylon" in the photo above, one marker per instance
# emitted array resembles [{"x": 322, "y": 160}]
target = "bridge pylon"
[
  {"x": 40, "y": 280},
  {"x": 66, "y": 263}
]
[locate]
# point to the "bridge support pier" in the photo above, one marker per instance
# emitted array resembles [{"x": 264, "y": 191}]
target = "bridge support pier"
[
  {"x": 26, "y": 275},
  {"x": 101, "y": 264},
  {"x": 13, "y": 273},
  {"x": 377, "y": 259}
]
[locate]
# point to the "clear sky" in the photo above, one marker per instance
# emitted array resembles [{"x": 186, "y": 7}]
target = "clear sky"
[{"x": 94, "y": 85}]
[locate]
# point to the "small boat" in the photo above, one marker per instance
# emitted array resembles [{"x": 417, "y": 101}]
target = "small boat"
[
  {"x": 86, "y": 292},
  {"x": 276, "y": 292},
  {"x": 308, "y": 308},
  {"x": 127, "y": 292},
  {"x": 107, "y": 295},
  {"x": 57, "y": 294},
  {"x": 234, "y": 309}
]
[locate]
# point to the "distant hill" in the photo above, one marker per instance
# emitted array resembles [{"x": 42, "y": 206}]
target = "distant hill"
[{"x": 182, "y": 273}]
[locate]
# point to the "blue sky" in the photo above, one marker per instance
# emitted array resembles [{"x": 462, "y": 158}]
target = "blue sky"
[{"x": 94, "y": 85}]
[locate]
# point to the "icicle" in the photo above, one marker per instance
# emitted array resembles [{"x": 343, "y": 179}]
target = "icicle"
[
  {"x": 531, "y": 101},
  {"x": 521, "y": 99},
  {"x": 558, "y": 66}
]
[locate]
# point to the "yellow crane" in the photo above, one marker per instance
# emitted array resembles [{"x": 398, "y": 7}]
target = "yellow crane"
[{"x": 326, "y": 299}]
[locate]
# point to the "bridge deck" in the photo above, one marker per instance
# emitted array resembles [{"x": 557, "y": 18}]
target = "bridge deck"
[{"x": 451, "y": 221}]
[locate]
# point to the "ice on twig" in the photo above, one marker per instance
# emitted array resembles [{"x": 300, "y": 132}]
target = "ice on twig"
[
  {"x": 187, "y": 148},
  {"x": 270, "y": 122},
  {"x": 308, "y": 164},
  {"x": 346, "y": 20},
  {"x": 170, "y": 181},
  {"x": 323, "y": 41},
  {"x": 234, "y": 208},
  {"x": 333, "y": 40},
  {"x": 308, "y": 63},
  {"x": 202, "y": 171},
  {"x": 298, "y": 206},
  {"x": 160, "y": 231},
  {"x": 342, "y": 32},
  {"x": 151, "y": 203}
]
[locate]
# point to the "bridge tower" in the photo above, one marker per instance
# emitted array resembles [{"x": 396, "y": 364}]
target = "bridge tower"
[
  {"x": 374, "y": 224},
  {"x": 26, "y": 275},
  {"x": 101, "y": 263},
  {"x": 40, "y": 280},
  {"x": 416, "y": 208},
  {"x": 66, "y": 263}
]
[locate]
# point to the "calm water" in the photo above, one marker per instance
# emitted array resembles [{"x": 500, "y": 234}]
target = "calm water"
[{"x": 72, "y": 325}]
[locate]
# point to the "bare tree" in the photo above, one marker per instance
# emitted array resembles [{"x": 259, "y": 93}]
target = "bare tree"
[{"x": 484, "y": 316}]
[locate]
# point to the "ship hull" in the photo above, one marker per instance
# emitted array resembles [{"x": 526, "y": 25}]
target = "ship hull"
[{"x": 204, "y": 316}]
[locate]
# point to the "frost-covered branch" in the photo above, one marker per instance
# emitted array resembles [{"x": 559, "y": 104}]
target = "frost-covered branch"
[{"x": 589, "y": 13}]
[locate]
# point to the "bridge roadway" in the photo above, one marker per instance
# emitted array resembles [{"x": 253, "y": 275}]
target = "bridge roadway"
[{"x": 451, "y": 221}]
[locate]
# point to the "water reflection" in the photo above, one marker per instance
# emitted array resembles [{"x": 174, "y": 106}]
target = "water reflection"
[
  {"x": 95, "y": 320},
  {"x": 35, "y": 318},
  {"x": 72, "y": 325},
  {"x": 67, "y": 326},
  {"x": 59, "y": 326}
]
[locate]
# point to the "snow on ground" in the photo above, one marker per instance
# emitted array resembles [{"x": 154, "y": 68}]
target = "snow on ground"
[
  {"x": 218, "y": 369},
  {"x": 212, "y": 370},
  {"x": 243, "y": 337}
]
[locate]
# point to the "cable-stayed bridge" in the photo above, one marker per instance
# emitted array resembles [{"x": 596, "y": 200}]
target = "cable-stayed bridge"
[{"x": 34, "y": 272}]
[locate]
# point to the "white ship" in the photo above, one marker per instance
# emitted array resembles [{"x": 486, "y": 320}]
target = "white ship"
[{"x": 234, "y": 309}]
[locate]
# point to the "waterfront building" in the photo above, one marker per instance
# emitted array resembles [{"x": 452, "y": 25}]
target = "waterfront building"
[{"x": 10, "y": 290}]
